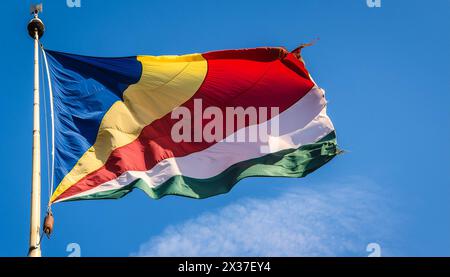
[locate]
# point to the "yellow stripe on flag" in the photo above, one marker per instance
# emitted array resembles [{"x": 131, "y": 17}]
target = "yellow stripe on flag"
[{"x": 166, "y": 83}]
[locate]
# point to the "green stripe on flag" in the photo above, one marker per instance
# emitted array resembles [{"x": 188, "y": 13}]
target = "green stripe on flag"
[{"x": 293, "y": 163}]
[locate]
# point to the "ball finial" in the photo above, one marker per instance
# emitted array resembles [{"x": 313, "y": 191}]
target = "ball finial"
[{"x": 36, "y": 24}]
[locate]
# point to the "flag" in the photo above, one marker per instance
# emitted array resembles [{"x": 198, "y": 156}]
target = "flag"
[{"x": 190, "y": 125}]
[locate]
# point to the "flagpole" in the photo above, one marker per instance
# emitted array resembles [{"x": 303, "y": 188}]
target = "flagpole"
[{"x": 36, "y": 30}]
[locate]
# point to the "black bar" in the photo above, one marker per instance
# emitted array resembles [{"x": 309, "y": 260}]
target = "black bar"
[{"x": 226, "y": 266}]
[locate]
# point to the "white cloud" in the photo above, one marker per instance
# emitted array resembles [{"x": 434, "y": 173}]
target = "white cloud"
[{"x": 327, "y": 220}]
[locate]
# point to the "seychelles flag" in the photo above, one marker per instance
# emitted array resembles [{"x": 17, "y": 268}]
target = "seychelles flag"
[{"x": 191, "y": 125}]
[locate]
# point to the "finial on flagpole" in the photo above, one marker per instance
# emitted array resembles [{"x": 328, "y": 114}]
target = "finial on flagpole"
[{"x": 36, "y": 24}]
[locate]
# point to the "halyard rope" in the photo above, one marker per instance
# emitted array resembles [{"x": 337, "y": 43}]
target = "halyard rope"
[{"x": 51, "y": 168}]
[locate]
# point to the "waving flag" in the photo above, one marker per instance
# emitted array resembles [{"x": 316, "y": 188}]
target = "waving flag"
[{"x": 123, "y": 123}]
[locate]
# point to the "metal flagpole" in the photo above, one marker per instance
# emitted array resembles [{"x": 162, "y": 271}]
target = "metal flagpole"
[{"x": 36, "y": 30}]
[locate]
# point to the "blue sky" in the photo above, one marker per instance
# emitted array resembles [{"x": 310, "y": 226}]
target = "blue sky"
[{"x": 386, "y": 73}]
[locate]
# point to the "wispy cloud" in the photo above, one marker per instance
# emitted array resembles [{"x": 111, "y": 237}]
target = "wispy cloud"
[{"x": 326, "y": 220}]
